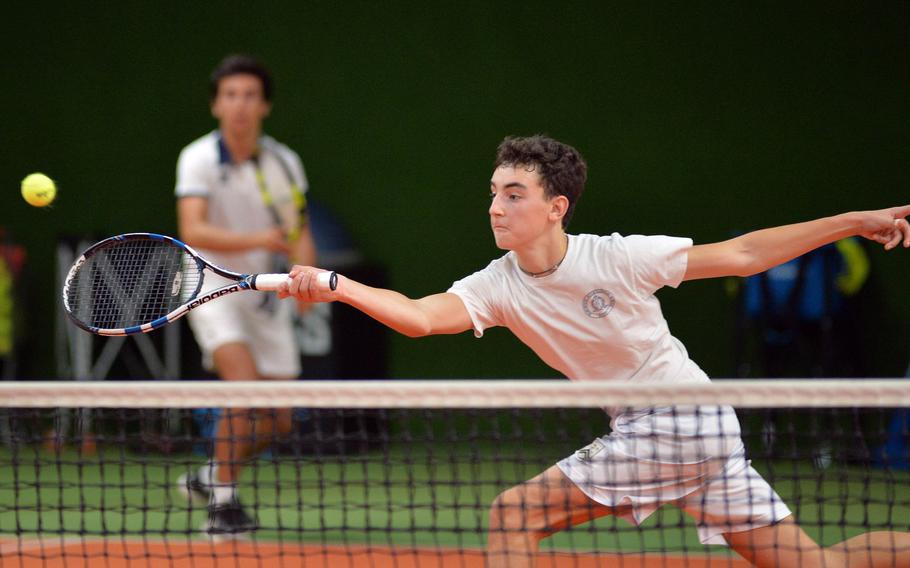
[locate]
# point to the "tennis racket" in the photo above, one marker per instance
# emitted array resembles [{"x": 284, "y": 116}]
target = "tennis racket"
[{"x": 138, "y": 282}]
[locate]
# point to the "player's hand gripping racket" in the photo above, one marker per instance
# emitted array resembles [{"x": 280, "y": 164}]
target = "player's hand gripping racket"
[{"x": 138, "y": 282}]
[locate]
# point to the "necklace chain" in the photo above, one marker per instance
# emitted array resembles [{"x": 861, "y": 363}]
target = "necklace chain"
[
  {"x": 542, "y": 273},
  {"x": 550, "y": 270}
]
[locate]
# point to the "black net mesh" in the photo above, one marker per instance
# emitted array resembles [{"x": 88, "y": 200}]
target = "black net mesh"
[{"x": 443, "y": 487}]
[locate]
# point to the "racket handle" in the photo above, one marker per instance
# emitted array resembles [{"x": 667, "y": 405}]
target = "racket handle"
[
  {"x": 327, "y": 280},
  {"x": 269, "y": 282}
]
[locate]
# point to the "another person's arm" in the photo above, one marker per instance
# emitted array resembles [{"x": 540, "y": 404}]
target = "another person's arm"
[
  {"x": 196, "y": 231},
  {"x": 760, "y": 250},
  {"x": 303, "y": 250},
  {"x": 431, "y": 315}
]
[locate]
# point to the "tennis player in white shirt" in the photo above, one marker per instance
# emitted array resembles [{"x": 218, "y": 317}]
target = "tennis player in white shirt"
[{"x": 586, "y": 305}]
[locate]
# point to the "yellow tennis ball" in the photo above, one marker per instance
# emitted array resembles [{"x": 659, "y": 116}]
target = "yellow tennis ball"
[{"x": 38, "y": 190}]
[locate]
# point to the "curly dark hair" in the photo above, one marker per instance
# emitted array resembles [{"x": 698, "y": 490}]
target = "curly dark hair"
[
  {"x": 240, "y": 65},
  {"x": 561, "y": 168}
]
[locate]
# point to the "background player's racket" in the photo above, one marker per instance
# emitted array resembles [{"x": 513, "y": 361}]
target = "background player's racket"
[{"x": 138, "y": 282}]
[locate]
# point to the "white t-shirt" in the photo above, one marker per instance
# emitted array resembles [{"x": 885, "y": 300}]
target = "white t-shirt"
[
  {"x": 596, "y": 317},
  {"x": 235, "y": 200}
]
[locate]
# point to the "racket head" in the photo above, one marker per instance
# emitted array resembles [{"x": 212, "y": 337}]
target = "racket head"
[{"x": 131, "y": 283}]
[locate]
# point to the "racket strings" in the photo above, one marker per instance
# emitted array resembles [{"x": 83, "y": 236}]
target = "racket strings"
[{"x": 131, "y": 283}]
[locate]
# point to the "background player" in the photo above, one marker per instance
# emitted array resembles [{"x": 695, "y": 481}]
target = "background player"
[
  {"x": 585, "y": 304},
  {"x": 241, "y": 203}
]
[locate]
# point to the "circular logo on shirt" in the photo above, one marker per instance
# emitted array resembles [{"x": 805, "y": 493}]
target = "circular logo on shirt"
[{"x": 598, "y": 303}]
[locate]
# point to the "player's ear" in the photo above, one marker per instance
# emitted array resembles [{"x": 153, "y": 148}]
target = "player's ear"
[
  {"x": 213, "y": 108},
  {"x": 558, "y": 207}
]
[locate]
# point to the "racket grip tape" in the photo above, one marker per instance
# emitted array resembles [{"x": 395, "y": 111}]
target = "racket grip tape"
[
  {"x": 268, "y": 282},
  {"x": 271, "y": 282},
  {"x": 328, "y": 279}
]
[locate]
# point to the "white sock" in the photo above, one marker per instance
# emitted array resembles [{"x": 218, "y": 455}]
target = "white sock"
[
  {"x": 223, "y": 494},
  {"x": 207, "y": 474}
]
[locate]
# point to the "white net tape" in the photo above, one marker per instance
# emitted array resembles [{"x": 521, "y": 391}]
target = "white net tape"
[{"x": 740, "y": 393}]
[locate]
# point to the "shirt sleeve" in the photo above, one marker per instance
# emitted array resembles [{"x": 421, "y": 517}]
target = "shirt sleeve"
[
  {"x": 657, "y": 261},
  {"x": 477, "y": 291},
  {"x": 193, "y": 175}
]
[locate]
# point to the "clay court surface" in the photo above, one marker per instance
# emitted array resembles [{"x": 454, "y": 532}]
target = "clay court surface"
[{"x": 75, "y": 553}]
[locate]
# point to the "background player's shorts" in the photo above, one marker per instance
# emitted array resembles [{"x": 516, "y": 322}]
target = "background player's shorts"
[
  {"x": 267, "y": 330},
  {"x": 692, "y": 459}
]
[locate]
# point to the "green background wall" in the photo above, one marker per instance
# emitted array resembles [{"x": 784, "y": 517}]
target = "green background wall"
[{"x": 697, "y": 119}]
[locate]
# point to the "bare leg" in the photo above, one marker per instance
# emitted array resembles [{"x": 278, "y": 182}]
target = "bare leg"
[
  {"x": 874, "y": 549},
  {"x": 233, "y": 442},
  {"x": 785, "y": 544},
  {"x": 272, "y": 424},
  {"x": 243, "y": 433},
  {"x": 522, "y": 516}
]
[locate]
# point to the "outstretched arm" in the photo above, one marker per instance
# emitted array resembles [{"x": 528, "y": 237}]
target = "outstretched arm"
[
  {"x": 431, "y": 315},
  {"x": 760, "y": 250}
]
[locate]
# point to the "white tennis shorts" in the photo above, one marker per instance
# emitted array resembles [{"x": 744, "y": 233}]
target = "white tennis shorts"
[
  {"x": 693, "y": 459},
  {"x": 241, "y": 317}
]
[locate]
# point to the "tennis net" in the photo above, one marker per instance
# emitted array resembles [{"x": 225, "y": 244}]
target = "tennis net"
[{"x": 428, "y": 473}]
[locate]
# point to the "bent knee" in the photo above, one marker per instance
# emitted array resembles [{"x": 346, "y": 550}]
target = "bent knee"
[
  {"x": 509, "y": 508},
  {"x": 513, "y": 510}
]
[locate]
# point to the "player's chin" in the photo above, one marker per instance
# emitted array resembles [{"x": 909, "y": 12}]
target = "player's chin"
[
  {"x": 503, "y": 240},
  {"x": 239, "y": 122}
]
